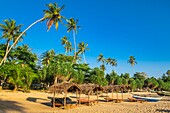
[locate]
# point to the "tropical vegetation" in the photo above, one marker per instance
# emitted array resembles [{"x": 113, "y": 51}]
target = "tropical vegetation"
[{"x": 21, "y": 69}]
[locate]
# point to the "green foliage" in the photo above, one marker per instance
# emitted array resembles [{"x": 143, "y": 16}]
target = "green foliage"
[
  {"x": 139, "y": 83},
  {"x": 118, "y": 81},
  {"x": 53, "y": 15},
  {"x": 132, "y": 83},
  {"x": 151, "y": 83},
  {"x": 18, "y": 75},
  {"x": 140, "y": 75},
  {"x": 97, "y": 77},
  {"x": 111, "y": 77},
  {"x": 168, "y": 72},
  {"x": 24, "y": 56}
]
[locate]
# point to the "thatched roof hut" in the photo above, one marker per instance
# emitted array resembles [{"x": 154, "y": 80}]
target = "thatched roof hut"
[
  {"x": 115, "y": 88},
  {"x": 89, "y": 88},
  {"x": 64, "y": 87}
]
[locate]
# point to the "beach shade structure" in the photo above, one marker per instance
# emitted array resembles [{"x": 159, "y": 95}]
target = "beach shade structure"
[
  {"x": 90, "y": 89},
  {"x": 115, "y": 88},
  {"x": 64, "y": 88}
]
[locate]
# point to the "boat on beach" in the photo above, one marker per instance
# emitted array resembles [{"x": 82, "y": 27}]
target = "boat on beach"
[
  {"x": 163, "y": 93},
  {"x": 149, "y": 99}
]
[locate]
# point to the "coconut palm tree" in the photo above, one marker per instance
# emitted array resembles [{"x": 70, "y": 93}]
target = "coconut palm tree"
[
  {"x": 100, "y": 58},
  {"x": 72, "y": 26},
  {"x": 64, "y": 40},
  {"x": 103, "y": 60},
  {"x": 68, "y": 45},
  {"x": 82, "y": 49},
  {"x": 132, "y": 61},
  {"x": 47, "y": 57},
  {"x": 52, "y": 15},
  {"x": 10, "y": 32},
  {"x": 113, "y": 62}
]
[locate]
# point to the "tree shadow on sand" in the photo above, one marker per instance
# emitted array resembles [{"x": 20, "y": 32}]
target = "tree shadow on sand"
[
  {"x": 163, "y": 110},
  {"x": 10, "y": 106},
  {"x": 45, "y": 102}
]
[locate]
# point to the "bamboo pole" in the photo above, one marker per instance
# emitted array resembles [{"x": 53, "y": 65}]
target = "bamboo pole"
[
  {"x": 65, "y": 100},
  {"x": 122, "y": 94},
  {"x": 77, "y": 95},
  {"x": 89, "y": 98},
  {"x": 117, "y": 95},
  {"x": 97, "y": 96},
  {"x": 107, "y": 98},
  {"x": 112, "y": 94},
  {"x": 54, "y": 98}
]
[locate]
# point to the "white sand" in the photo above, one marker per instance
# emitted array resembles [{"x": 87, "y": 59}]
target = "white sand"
[{"x": 38, "y": 102}]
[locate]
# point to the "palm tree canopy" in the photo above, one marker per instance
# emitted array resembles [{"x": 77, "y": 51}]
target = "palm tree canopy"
[
  {"x": 64, "y": 40},
  {"x": 53, "y": 15},
  {"x": 113, "y": 62},
  {"x": 132, "y": 60},
  {"x": 82, "y": 47},
  {"x": 10, "y": 30},
  {"x": 72, "y": 24},
  {"x": 47, "y": 57},
  {"x": 68, "y": 47},
  {"x": 101, "y": 58}
]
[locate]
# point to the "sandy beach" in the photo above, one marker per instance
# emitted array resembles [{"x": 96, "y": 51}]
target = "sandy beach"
[{"x": 38, "y": 102}]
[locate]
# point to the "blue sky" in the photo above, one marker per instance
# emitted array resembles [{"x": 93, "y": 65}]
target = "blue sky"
[{"x": 116, "y": 28}]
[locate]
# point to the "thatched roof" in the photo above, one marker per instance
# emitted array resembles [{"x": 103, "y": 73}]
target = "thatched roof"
[
  {"x": 88, "y": 88},
  {"x": 111, "y": 88},
  {"x": 64, "y": 87}
]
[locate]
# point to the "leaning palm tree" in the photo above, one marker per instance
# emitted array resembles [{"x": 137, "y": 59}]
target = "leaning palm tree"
[
  {"x": 10, "y": 32},
  {"x": 72, "y": 26},
  {"x": 52, "y": 15},
  {"x": 132, "y": 61},
  {"x": 82, "y": 49}
]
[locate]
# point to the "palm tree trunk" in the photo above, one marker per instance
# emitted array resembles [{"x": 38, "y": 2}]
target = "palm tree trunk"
[
  {"x": 19, "y": 38},
  {"x": 6, "y": 50},
  {"x": 84, "y": 58},
  {"x": 15, "y": 88},
  {"x": 74, "y": 37},
  {"x": 133, "y": 70},
  {"x": 56, "y": 79}
]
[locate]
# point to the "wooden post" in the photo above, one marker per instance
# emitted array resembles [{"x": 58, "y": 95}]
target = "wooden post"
[
  {"x": 107, "y": 98},
  {"x": 54, "y": 99},
  {"x": 112, "y": 94},
  {"x": 122, "y": 94},
  {"x": 88, "y": 98},
  {"x": 65, "y": 100},
  {"x": 117, "y": 94},
  {"x": 77, "y": 95},
  {"x": 97, "y": 96}
]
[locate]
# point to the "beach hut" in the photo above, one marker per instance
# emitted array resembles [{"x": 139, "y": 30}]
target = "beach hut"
[
  {"x": 64, "y": 88},
  {"x": 90, "y": 89},
  {"x": 115, "y": 88}
]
